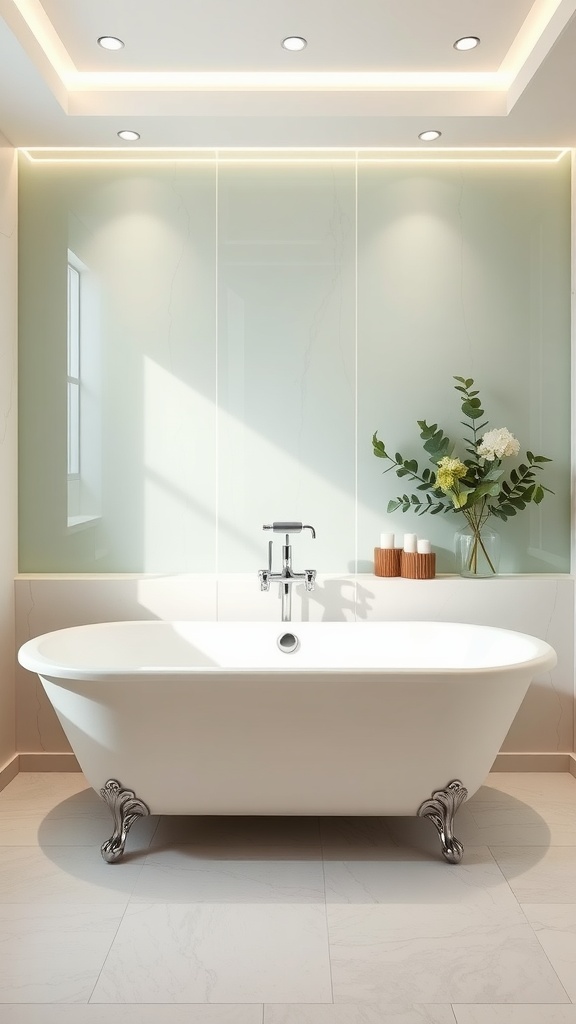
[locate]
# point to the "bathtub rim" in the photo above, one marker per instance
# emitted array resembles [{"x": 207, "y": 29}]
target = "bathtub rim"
[{"x": 544, "y": 658}]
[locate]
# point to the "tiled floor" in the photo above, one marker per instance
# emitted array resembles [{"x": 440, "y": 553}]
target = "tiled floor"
[{"x": 288, "y": 920}]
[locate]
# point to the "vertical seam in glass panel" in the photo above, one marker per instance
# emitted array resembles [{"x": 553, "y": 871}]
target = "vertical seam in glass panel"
[
  {"x": 355, "y": 373},
  {"x": 216, "y": 368},
  {"x": 78, "y": 353},
  {"x": 573, "y": 382}
]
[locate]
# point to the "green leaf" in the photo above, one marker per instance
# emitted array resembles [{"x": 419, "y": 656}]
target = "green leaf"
[
  {"x": 542, "y": 458},
  {"x": 379, "y": 447},
  {"x": 426, "y": 430},
  {"x": 459, "y": 500},
  {"x": 471, "y": 412},
  {"x": 538, "y": 494},
  {"x": 496, "y": 473}
]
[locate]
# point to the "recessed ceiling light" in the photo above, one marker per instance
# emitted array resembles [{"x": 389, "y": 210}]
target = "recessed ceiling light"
[
  {"x": 110, "y": 43},
  {"x": 128, "y": 136},
  {"x": 294, "y": 43},
  {"x": 429, "y": 136},
  {"x": 466, "y": 43}
]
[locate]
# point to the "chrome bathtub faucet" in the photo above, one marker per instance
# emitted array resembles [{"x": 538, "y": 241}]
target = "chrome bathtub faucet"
[{"x": 286, "y": 577}]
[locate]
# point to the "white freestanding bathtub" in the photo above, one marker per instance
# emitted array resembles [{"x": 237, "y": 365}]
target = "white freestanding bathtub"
[{"x": 362, "y": 718}]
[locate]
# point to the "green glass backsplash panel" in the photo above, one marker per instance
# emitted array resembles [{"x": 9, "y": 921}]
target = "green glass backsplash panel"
[
  {"x": 250, "y": 325},
  {"x": 465, "y": 269}
]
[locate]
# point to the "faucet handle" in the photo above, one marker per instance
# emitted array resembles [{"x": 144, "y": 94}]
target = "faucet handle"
[
  {"x": 309, "y": 578},
  {"x": 264, "y": 577},
  {"x": 288, "y": 527},
  {"x": 282, "y": 527}
]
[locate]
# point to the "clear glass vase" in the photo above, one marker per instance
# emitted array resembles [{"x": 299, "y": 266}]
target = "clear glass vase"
[{"x": 477, "y": 549}]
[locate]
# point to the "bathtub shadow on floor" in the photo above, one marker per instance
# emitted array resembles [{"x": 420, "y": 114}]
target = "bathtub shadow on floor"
[{"x": 289, "y": 859}]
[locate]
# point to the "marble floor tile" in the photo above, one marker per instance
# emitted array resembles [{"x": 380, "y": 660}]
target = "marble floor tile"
[
  {"x": 208, "y": 918},
  {"x": 40, "y": 828},
  {"x": 209, "y": 953},
  {"x": 510, "y": 811},
  {"x": 527, "y": 835},
  {"x": 403, "y": 876},
  {"x": 125, "y": 1014},
  {"x": 180, "y": 876},
  {"x": 538, "y": 809},
  {"x": 519, "y": 1014},
  {"x": 42, "y": 790},
  {"x": 443, "y": 953},
  {"x": 539, "y": 874},
  {"x": 64, "y": 874},
  {"x": 53, "y": 954},
  {"x": 533, "y": 789},
  {"x": 555, "y": 928},
  {"x": 381, "y": 1013}
]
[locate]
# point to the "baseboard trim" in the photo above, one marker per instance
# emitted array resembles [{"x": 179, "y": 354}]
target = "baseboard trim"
[
  {"x": 37, "y": 762},
  {"x": 9, "y": 771},
  {"x": 539, "y": 761},
  {"x": 42, "y": 761}
]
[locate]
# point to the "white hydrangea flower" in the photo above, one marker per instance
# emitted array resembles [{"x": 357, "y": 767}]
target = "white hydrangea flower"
[{"x": 495, "y": 444}]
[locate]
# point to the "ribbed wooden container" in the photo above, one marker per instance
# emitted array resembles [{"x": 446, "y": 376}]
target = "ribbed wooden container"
[
  {"x": 387, "y": 561},
  {"x": 417, "y": 567}
]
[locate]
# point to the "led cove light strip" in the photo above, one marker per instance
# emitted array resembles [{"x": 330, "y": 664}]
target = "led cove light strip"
[
  {"x": 215, "y": 81},
  {"x": 289, "y": 154}
]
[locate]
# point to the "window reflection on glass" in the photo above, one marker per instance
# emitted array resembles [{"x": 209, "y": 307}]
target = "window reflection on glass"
[{"x": 73, "y": 370}]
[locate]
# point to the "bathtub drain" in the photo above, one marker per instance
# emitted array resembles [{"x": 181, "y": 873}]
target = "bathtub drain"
[{"x": 288, "y": 643}]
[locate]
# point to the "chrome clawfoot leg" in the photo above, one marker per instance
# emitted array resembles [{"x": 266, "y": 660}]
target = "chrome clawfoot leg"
[
  {"x": 125, "y": 808},
  {"x": 441, "y": 809}
]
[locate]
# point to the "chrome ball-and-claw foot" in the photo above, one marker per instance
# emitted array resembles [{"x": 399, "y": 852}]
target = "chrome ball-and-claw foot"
[
  {"x": 441, "y": 809},
  {"x": 125, "y": 808}
]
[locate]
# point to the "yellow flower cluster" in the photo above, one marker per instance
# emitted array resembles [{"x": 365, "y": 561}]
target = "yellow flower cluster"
[{"x": 449, "y": 472}]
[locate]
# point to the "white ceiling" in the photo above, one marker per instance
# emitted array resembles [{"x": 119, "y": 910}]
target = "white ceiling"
[{"x": 213, "y": 72}]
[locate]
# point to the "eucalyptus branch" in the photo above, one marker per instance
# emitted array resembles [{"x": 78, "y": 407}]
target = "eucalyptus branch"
[
  {"x": 522, "y": 489},
  {"x": 405, "y": 467},
  {"x": 472, "y": 408}
]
